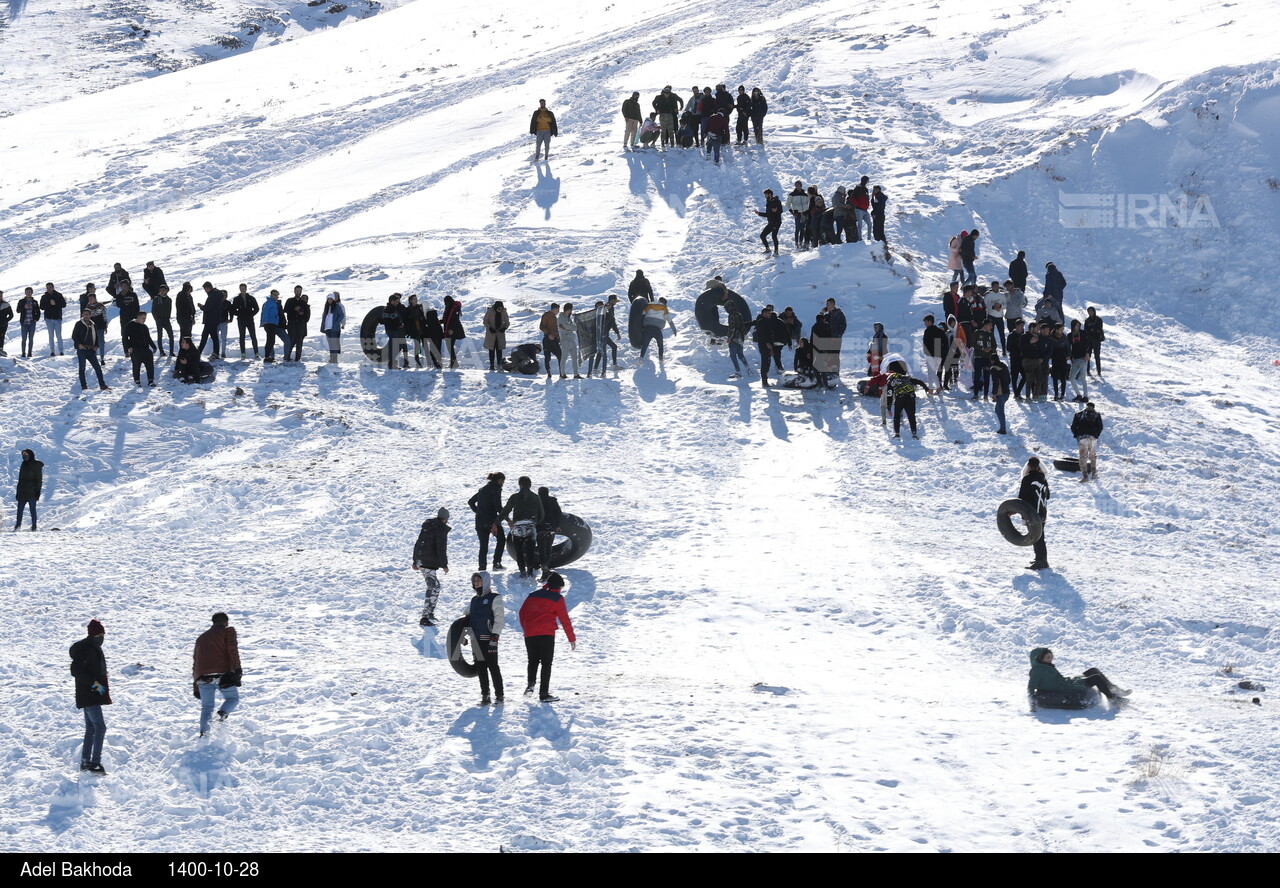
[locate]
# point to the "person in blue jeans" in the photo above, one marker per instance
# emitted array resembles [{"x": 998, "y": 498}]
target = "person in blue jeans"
[
  {"x": 216, "y": 667},
  {"x": 28, "y": 312},
  {"x": 998, "y": 376},
  {"x": 89, "y": 668}
]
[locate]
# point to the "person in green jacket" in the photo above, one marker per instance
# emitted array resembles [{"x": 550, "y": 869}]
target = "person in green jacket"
[
  {"x": 523, "y": 513},
  {"x": 1048, "y": 687},
  {"x": 30, "y": 483}
]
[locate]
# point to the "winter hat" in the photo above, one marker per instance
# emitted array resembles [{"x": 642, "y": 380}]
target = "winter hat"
[
  {"x": 486, "y": 584},
  {"x": 1048, "y": 265},
  {"x": 95, "y": 628},
  {"x": 443, "y": 514},
  {"x": 555, "y": 581}
]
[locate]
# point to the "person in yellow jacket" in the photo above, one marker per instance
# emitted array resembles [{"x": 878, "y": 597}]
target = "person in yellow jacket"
[{"x": 542, "y": 126}]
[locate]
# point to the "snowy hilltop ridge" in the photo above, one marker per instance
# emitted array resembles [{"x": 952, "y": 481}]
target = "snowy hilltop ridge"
[{"x": 793, "y": 632}]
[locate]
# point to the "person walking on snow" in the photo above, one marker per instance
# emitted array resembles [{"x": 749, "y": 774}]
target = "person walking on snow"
[
  {"x": 30, "y": 484},
  {"x": 538, "y": 617},
  {"x": 969, "y": 254},
  {"x": 89, "y": 668},
  {"x": 1034, "y": 491},
  {"x": 215, "y": 667},
  {"x": 487, "y": 617},
  {"x": 1094, "y": 333},
  {"x": 657, "y": 318},
  {"x": 772, "y": 214},
  {"x": 486, "y": 505},
  {"x": 162, "y": 314},
  {"x": 431, "y": 553},
  {"x": 1086, "y": 427},
  {"x": 542, "y": 126},
  {"x": 523, "y": 513},
  {"x": 550, "y": 329},
  {"x": 901, "y": 388},
  {"x": 717, "y": 130},
  {"x": 955, "y": 264}
]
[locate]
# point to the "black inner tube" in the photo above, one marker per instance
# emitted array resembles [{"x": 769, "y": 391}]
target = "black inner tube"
[
  {"x": 460, "y": 665},
  {"x": 571, "y": 543},
  {"x": 1004, "y": 521}
]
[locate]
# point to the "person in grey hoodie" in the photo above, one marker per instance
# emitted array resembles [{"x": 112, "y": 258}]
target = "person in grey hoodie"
[
  {"x": 568, "y": 326},
  {"x": 487, "y": 617}
]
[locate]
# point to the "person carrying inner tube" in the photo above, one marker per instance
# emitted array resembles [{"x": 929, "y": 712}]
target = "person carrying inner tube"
[
  {"x": 1049, "y": 687},
  {"x": 1035, "y": 493},
  {"x": 486, "y": 616}
]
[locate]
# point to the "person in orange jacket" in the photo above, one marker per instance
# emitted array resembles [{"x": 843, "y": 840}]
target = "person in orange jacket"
[{"x": 538, "y": 616}]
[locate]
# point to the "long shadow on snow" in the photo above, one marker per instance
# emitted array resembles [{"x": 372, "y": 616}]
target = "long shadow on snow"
[
  {"x": 673, "y": 189},
  {"x": 1052, "y": 589},
  {"x": 481, "y": 726},
  {"x": 651, "y": 380},
  {"x": 1067, "y": 716},
  {"x": 204, "y": 769},
  {"x": 69, "y": 802}
]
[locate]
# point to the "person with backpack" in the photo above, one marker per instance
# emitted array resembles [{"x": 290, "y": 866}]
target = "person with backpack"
[
  {"x": 542, "y": 126},
  {"x": 215, "y": 668},
  {"x": 244, "y": 308},
  {"x": 539, "y": 614},
  {"x": 1094, "y": 334},
  {"x": 140, "y": 349},
  {"x": 902, "y": 389},
  {"x": 162, "y": 314},
  {"x": 523, "y": 513},
  {"x": 1048, "y": 687},
  {"x": 430, "y": 554},
  {"x": 30, "y": 486},
  {"x": 552, "y": 514},
  {"x": 89, "y": 669},
  {"x": 486, "y": 505},
  {"x": 1034, "y": 491},
  {"x": 1086, "y": 428},
  {"x": 631, "y": 118},
  {"x": 487, "y": 617},
  {"x": 496, "y": 324},
  {"x": 332, "y": 320}
]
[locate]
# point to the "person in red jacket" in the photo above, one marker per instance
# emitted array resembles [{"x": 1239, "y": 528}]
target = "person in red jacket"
[{"x": 538, "y": 616}]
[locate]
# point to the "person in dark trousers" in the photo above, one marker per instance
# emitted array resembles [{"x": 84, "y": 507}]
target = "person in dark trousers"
[
  {"x": 244, "y": 308},
  {"x": 140, "y": 348},
  {"x": 1055, "y": 284},
  {"x": 487, "y": 618},
  {"x": 717, "y": 134},
  {"x": 759, "y": 108},
  {"x": 879, "y": 200},
  {"x": 547, "y": 529},
  {"x": 430, "y": 554},
  {"x": 935, "y": 350},
  {"x": 639, "y": 286},
  {"x": 1060, "y": 368},
  {"x": 451, "y": 320},
  {"x": 549, "y": 326},
  {"x": 393, "y": 320},
  {"x": 667, "y": 105},
  {"x": 28, "y": 311},
  {"x": 433, "y": 331},
  {"x": 998, "y": 376},
  {"x": 6, "y": 315},
  {"x": 1094, "y": 334},
  {"x": 496, "y": 324},
  {"x": 538, "y": 617},
  {"x": 742, "y": 123},
  {"x": 1018, "y": 270},
  {"x": 153, "y": 280},
  {"x": 30, "y": 485},
  {"x": 486, "y": 505},
  {"x": 798, "y": 206},
  {"x": 772, "y": 214},
  {"x": 118, "y": 276},
  {"x": 184, "y": 304},
  {"x": 215, "y": 667},
  {"x": 1086, "y": 428},
  {"x": 901, "y": 388},
  {"x": 127, "y": 304},
  {"x": 273, "y": 325},
  {"x": 162, "y": 314},
  {"x": 542, "y": 126},
  {"x": 604, "y": 324},
  {"x": 214, "y": 310},
  {"x": 770, "y": 336},
  {"x": 188, "y": 367},
  {"x": 1014, "y": 342},
  {"x": 984, "y": 349},
  {"x": 523, "y": 513},
  {"x": 1034, "y": 491},
  {"x": 89, "y": 668},
  {"x": 334, "y": 317},
  {"x": 1048, "y": 687},
  {"x": 51, "y": 305},
  {"x": 297, "y": 312},
  {"x": 969, "y": 254},
  {"x": 84, "y": 336}
]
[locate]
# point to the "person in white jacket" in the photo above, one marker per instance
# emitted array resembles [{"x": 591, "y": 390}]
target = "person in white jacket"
[{"x": 568, "y": 326}]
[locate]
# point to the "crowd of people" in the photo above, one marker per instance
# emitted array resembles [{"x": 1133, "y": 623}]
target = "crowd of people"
[
  {"x": 699, "y": 121},
  {"x": 850, "y": 215}
]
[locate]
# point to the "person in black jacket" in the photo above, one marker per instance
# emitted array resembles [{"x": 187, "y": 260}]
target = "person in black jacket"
[
  {"x": 547, "y": 529},
  {"x": 6, "y": 315},
  {"x": 969, "y": 254},
  {"x": 244, "y": 308},
  {"x": 28, "y": 312},
  {"x": 639, "y": 286},
  {"x": 879, "y": 200},
  {"x": 30, "y": 484},
  {"x": 902, "y": 389},
  {"x": 632, "y": 117},
  {"x": 392, "y": 321},
  {"x": 742, "y": 104},
  {"x": 1086, "y": 427},
  {"x": 297, "y": 312},
  {"x": 1034, "y": 491},
  {"x": 51, "y": 304},
  {"x": 1095, "y": 336},
  {"x": 935, "y": 349},
  {"x": 126, "y": 303},
  {"x": 188, "y": 367},
  {"x": 184, "y": 305},
  {"x": 415, "y": 328},
  {"x": 542, "y": 126},
  {"x": 770, "y": 337},
  {"x": 759, "y": 108},
  {"x": 434, "y": 333},
  {"x": 162, "y": 313},
  {"x": 487, "y": 618},
  {"x": 431, "y": 553},
  {"x": 215, "y": 314},
  {"x": 84, "y": 336},
  {"x": 451, "y": 320},
  {"x": 1014, "y": 342},
  {"x": 984, "y": 349},
  {"x": 152, "y": 279},
  {"x": 668, "y": 106},
  {"x": 772, "y": 214},
  {"x": 139, "y": 347},
  {"x": 118, "y": 276},
  {"x": 89, "y": 668},
  {"x": 1018, "y": 270},
  {"x": 998, "y": 375},
  {"x": 486, "y": 503}
]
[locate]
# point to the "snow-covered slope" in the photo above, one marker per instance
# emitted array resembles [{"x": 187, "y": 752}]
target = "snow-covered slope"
[{"x": 793, "y": 633}]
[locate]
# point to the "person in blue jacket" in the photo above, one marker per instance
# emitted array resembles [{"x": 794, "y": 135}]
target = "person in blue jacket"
[
  {"x": 486, "y": 616},
  {"x": 273, "y": 325}
]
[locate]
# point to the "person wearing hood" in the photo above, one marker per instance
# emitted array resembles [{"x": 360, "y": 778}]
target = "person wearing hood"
[
  {"x": 547, "y": 529},
  {"x": 1034, "y": 491},
  {"x": 215, "y": 667},
  {"x": 89, "y": 668},
  {"x": 1018, "y": 270},
  {"x": 538, "y": 617},
  {"x": 969, "y": 254},
  {"x": 1048, "y": 687},
  {"x": 639, "y": 286},
  {"x": 1086, "y": 428},
  {"x": 523, "y": 513},
  {"x": 486, "y": 505},
  {"x": 877, "y": 348},
  {"x": 496, "y": 324},
  {"x": 1055, "y": 284},
  {"x": 430, "y": 554},
  {"x": 332, "y": 321},
  {"x": 30, "y": 485},
  {"x": 486, "y": 617}
]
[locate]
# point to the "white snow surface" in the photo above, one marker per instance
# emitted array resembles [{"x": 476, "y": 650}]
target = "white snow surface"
[{"x": 794, "y": 633}]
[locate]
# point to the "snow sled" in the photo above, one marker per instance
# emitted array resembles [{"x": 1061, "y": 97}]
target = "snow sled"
[
  {"x": 706, "y": 310},
  {"x": 570, "y": 544},
  {"x": 523, "y": 359},
  {"x": 461, "y": 628},
  {"x": 635, "y": 322},
  {"x": 802, "y": 381},
  {"x": 205, "y": 373},
  {"x": 1067, "y": 464},
  {"x": 1086, "y": 699},
  {"x": 1004, "y": 521}
]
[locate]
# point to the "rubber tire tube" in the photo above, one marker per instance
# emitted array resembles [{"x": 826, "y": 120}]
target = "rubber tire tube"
[
  {"x": 1067, "y": 464},
  {"x": 369, "y": 337},
  {"x": 577, "y": 540},
  {"x": 461, "y": 666},
  {"x": 1004, "y": 521}
]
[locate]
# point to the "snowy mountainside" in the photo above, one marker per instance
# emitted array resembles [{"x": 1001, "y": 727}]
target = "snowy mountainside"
[{"x": 794, "y": 633}]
